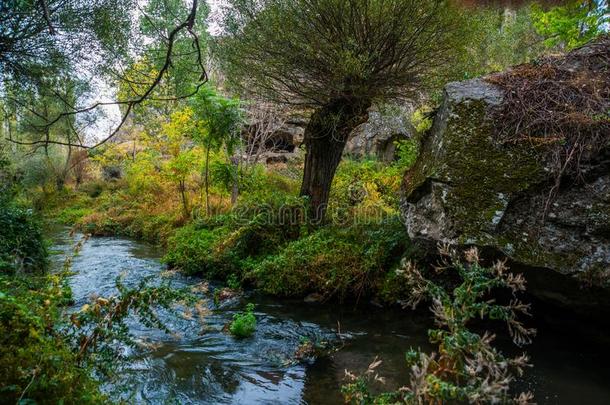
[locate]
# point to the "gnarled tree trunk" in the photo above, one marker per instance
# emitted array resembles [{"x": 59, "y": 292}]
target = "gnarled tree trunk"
[{"x": 325, "y": 138}]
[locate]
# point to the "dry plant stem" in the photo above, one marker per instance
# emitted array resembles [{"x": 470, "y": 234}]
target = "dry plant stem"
[{"x": 561, "y": 107}]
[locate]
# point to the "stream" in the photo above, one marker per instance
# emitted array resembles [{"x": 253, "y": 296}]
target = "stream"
[{"x": 205, "y": 365}]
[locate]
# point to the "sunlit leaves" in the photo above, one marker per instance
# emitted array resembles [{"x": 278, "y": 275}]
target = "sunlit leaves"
[{"x": 572, "y": 24}]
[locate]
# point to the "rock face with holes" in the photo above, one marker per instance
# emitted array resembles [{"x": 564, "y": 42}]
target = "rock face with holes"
[
  {"x": 467, "y": 188},
  {"x": 378, "y": 136}
]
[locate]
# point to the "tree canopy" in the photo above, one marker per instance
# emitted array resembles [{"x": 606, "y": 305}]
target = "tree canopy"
[
  {"x": 337, "y": 57},
  {"x": 100, "y": 43},
  {"x": 312, "y": 52}
]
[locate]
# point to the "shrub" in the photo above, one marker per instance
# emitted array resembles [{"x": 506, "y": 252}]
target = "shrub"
[
  {"x": 334, "y": 261},
  {"x": 71, "y": 215},
  {"x": 244, "y": 323},
  {"x": 191, "y": 249},
  {"x": 233, "y": 282},
  {"x": 231, "y": 243},
  {"x": 22, "y": 246},
  {"x": 369, "y": 189},
  {"x": 466, "y": 367},
  {"x": 48, "y": 357},
  {"x": 93, "y": 188},
  {"x": 36, "y": 364}
]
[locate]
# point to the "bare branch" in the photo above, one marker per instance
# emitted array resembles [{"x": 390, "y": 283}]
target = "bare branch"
[
  {"x": 47, "y": 16},
  {"x": 187, "y": 25}
]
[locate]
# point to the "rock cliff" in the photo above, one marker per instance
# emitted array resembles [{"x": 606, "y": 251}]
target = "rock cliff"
[{"x": 469, "y": 187}]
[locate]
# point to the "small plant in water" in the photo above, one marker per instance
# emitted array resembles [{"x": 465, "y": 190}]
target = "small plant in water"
[
  {"x": 465, "y": 368},
  {"x": 233, "y": 282},
  {"x": 244, "y": 323}
]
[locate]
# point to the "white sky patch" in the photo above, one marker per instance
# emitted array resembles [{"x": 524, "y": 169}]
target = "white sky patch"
[{"x": 213, "y": 23}]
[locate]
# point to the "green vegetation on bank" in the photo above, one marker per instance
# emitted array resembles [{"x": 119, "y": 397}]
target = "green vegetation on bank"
[
  {"x": 48, "y": 353},
  {"x": 37, "y": 364},
  {"x": 265, "y": 240},
  {"x": 22, "y": 248},
  {"x": 205, "y": 164}
]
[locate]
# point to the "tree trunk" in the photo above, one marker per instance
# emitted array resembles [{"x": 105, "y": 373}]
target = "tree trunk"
[
  {"x": 207, "y": 181},
  {"x": 325, "y": 138},
  {"x": 185, "y": 202}
]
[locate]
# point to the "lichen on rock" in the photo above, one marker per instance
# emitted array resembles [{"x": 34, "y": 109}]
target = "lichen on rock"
[{"x": 470, "y": 188}]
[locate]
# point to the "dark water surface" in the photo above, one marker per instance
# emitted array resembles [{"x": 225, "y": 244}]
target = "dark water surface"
[{"x": 210, "y": 367}]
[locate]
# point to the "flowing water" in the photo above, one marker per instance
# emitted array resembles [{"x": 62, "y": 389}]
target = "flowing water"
[{"x": 205, "y": 365}]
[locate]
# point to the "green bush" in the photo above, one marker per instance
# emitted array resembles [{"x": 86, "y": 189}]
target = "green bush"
[
  {"x": 71, "y": 215},
  {"x": 220, "y": 251},
  {"x": 244, "y": 323},
  {"x": 334, "y": 261},
  {"x": 36, "y": 363},
  {"x": 191, "y": 249},
  {"x": 233, "y": 282},
  {"x": 22, "y": 246},
  {"x": 369, "y": 188},
  {"x": 229, "y": 244},
  {"x": 151, "y": 228}
]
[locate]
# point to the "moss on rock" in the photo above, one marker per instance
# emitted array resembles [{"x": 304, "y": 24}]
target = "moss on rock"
[{"x": 469, "y": 188}]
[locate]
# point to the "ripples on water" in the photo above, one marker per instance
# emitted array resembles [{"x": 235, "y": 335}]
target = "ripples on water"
[{"x": 211, "y": 367}]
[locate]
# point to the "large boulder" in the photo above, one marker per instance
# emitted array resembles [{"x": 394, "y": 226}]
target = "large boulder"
[{"x": 469, "y": 188}]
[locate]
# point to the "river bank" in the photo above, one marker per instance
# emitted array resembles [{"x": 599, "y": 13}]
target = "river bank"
[{"x": 213, "y": 367}]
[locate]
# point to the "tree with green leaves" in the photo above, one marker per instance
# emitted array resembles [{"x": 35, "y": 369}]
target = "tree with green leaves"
[
  {"x": 97, "y": 42},
  {"x": 336, "y": 57},
  {"x": 43, "y": 38},
  {"x": 572, "y": 24},
  {"x": 220, "y": 120},
  {"x": 55, "y": 143}
]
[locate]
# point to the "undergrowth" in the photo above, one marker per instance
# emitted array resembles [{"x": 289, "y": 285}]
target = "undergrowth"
[
  {"x": 465, "y": 368},
  {"x": 49, "y": 354}
]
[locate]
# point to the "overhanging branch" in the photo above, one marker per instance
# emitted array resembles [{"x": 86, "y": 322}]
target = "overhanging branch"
[{"x": 187, "y": 25}]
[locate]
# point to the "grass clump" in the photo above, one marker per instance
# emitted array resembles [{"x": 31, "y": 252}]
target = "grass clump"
[
  {"x": 334, "y": 261},
  {"x": 244, "y": 323}
]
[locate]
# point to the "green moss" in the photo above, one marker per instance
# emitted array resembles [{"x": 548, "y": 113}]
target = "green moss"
[
  {"x": 485, "y": 174},
  {"x": 528, "y": 250},
  {"x": 482, "y": 174}
]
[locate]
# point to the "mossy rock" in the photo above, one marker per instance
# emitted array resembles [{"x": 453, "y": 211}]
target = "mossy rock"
[{"x": 470, "y": 188}]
